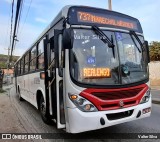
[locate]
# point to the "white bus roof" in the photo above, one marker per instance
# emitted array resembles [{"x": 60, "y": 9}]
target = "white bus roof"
[{"x": 62, "y": 14}]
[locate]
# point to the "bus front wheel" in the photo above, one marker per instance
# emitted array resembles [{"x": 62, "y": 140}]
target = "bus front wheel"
[{"x": 45, "y": 117}]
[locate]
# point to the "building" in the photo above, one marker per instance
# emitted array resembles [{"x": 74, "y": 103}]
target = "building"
[{"x": 8, "y": 76}]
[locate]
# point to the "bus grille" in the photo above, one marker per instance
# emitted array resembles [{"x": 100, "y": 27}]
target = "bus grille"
[
  {"x": 112, "y": 99},
  {"x": 114, "y": 95}
]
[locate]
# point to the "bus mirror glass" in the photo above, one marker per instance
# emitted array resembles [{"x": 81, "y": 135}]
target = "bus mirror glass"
[
  {"x": 145, "y": 45},
  {"x": 52, "y": 44},
  {"x": 67, "y": 38}
]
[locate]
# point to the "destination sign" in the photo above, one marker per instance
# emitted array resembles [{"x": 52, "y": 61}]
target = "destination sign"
[
  {"x": 102, "y": 18},
  {"x": 96, "y": 73}
]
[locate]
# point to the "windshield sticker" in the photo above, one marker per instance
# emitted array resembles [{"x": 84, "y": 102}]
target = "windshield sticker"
[
  {"x": 118, "y": 36},
  {"x": 91, "y": 60}
]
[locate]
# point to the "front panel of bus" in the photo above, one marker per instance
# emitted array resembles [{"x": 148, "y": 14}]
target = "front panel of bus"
[{"x": 105, "y": 80}]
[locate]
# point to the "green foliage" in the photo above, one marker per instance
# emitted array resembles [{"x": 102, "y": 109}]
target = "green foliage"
[
  {"x": 155, "y": 51},
  {"x": 2, "y": 91},
  {"x": 4, "y": 59},
  {"x": 3, "y": 65}
]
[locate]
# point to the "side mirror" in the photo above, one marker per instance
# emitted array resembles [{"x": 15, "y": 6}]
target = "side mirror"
[
  {"x": 68, "y": 38},
  {"x": 146, "y": 46},
  {"x": 52, "y": 43}
]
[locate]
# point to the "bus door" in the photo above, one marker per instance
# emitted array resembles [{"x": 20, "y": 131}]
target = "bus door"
[
  {"x": 55, "y": 80},
  {"x": 59, "y": 56}
]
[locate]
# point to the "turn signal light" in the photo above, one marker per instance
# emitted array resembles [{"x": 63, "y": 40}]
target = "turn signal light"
[
  {"x": 42, "y": 75},
  {"x": 73, "y": 97}
]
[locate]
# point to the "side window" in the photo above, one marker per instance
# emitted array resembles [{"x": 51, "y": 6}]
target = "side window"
[
  {"x": 52, "y": 60},
  {"x": 19, "y": 68},
  {"x": 26, "y": 62},
  {"x": 41, "y": 55},
  {"x": 33, "y": 59},
  {"x": 22, "y": 65}
]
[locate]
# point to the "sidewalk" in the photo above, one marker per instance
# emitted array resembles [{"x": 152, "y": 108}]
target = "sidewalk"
[
  {"x": 9, "y": 122},
  {"x": 11, "y": 119}
]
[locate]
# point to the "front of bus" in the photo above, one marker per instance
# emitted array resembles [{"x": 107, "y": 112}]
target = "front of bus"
[{"x": 107, "y": 79}]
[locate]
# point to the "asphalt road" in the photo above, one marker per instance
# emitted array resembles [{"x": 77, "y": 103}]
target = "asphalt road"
[
  {"x": 155, "y": 94},
  {"x": 32, "y": 122}
]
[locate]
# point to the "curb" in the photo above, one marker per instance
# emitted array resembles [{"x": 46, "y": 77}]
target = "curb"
[
  {"x": 156, "y": 101},
  {"x": 155, "y": 87}
]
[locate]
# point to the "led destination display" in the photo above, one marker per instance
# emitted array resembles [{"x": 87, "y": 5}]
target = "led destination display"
[
  {"x": 102, "y": 18},
  {"x": 96, "y": 73}
]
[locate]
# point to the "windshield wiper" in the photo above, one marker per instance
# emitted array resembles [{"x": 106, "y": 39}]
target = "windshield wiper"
[
  {"x": 104, "y": 38},
  {"x": 139, "y": 41}
]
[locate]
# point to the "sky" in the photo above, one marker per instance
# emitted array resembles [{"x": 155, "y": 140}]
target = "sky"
[{"x": 37, "y": 14}]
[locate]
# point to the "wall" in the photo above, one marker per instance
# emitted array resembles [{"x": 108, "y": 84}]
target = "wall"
[{"x": 154, "y": 70}]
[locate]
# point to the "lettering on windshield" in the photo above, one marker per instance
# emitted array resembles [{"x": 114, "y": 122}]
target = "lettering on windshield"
[
  {"x": 119, "y": 36},
  {"x": 91, "y": 60}
]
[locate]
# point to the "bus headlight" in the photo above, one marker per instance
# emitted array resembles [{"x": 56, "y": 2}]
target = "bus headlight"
[
  {"x": 82, "y": 103},
  {"x": 146, "y": 97}
]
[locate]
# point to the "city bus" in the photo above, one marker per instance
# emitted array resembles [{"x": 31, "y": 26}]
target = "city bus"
[{"x": 88, "y": 70}]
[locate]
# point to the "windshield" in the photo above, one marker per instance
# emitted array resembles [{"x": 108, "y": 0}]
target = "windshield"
[
  {"x": 133, "y": 65},
  {"x": 93, "y": 62}
]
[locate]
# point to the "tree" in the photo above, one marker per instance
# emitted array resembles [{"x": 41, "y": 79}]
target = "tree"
[
  {"x": 155, "y": 51},
  {"x": 1, "y": 78}
]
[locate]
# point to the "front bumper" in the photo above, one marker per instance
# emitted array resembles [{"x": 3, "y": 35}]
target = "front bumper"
[{"x": 85, "y": 121}]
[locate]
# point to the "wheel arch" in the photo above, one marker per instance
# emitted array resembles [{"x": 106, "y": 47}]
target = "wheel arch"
[
  {"x": 39, "y": 94},
  {"x": 18, "y": 88}
]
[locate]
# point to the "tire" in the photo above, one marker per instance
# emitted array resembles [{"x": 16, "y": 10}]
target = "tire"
[
  {"x": 45, "y": 117},
  {"x": 19, "y": 95}
]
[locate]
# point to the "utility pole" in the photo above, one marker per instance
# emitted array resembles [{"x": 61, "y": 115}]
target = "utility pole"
[
  {"x": 15, "y": 26},
  {"x": 110, "y": 4}
]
